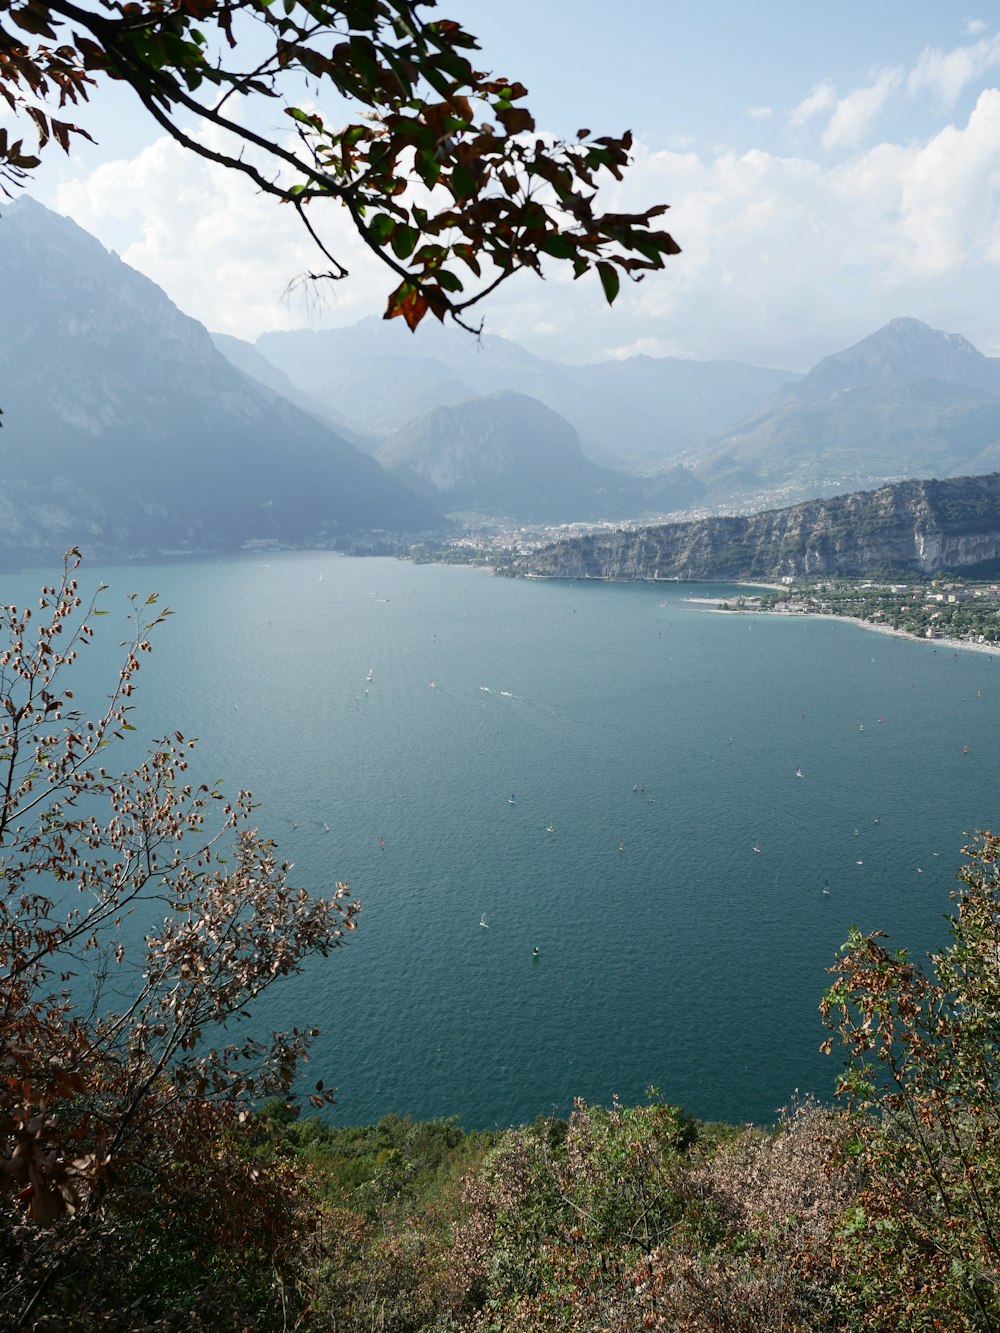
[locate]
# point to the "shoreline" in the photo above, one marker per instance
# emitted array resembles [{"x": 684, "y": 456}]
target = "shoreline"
[{"x": 992, "y": 648}]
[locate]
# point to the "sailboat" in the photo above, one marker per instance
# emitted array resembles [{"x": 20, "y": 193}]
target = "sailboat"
[{"x": 482, "y": 922}]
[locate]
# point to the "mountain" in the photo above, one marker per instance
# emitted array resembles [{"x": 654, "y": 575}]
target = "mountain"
[
  {"x": 640, "y": 413},
  {"x": 908, "y": 400},
  {"x": 245, "y": 357},
  {"x": 508, "y": 454},
  {"x": 646, "y": 413},
  {"x": 127, "y": 433},
  {"x": 357, "y": 372},
  {"x": 924, "y": 526},
  {"x": 903, "y": 350}
]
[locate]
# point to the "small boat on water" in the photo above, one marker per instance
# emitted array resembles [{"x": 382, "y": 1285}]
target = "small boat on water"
[
  {"x": 510, "y": 799},
  {"x": 371, "y": 675},
  {"x": 483, "y": 923}
]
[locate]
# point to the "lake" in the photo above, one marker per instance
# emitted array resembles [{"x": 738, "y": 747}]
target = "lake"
[{"x": 582, "y": 769}]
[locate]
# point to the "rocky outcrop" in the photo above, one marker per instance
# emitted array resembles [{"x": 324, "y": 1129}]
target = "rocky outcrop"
[{"x": 922, "y": 526}]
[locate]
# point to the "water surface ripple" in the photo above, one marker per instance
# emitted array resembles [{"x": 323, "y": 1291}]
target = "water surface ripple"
[{"x": 650, "y": 747}]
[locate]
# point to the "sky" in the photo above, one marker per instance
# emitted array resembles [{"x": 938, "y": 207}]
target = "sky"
[{"x": 828, "y": 168}]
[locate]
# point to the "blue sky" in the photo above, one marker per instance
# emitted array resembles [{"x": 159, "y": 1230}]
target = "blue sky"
[
  {"x": 688, "y": 74},
  {"x": 828, "y": 167}
]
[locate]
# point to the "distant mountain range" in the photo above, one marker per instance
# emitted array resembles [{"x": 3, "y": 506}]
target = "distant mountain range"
[
  {"x": 127, "y": 433},
  {"x": 509, "y": 454},
  {"x": 637, "y": 414},
  {"x": 128, "y": 430},
  {"x": 907, "y": 401},
  {"x": 925, "y": 527}
]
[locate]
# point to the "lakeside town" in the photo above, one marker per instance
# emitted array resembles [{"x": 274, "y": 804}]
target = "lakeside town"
[{"x": 962, "y": 611}]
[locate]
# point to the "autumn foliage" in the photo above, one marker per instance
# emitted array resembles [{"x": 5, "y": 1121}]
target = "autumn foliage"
[
  {"x": 140, "y": 916},
  {"x": 920, "y": 1243},
  {"x": 440, "y": 167}
]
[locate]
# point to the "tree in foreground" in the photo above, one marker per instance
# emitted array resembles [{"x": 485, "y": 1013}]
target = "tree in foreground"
[
  {"x": 920, "y": 1248},
  {"x": 140, "y": 917},
  {"x": 439, "y": 166}
]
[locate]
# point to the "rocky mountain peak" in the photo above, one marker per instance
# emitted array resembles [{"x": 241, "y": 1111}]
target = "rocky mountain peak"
[{"x": 903, "y": 349}]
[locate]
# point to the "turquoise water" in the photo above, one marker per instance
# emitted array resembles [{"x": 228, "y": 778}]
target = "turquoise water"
[{"x": 671, "y": 953}]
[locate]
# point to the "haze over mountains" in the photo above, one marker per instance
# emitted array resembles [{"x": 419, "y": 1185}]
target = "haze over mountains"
[
  {"x": 130, "y": 431},
  {"x": 632, "y": 414},
  {"x": 508, "y": 453},
  {"x": 907, "y": 401},
  {"x": 127, "y": 433}
]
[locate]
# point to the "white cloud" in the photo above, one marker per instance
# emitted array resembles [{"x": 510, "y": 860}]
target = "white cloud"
[
  {"x": 760, "y": 112},
  {"x": 648, "y": 346},
  {"x": 948, "y": 73},
  {"x": 224, "y": 253},
  {"x": 973, "y": 27},
  {"x": 784, "y": 258},
  {"x": 949, "y": 196},
  {"x": 854, "y": 115},
  {"x": 821, "y": 99}
]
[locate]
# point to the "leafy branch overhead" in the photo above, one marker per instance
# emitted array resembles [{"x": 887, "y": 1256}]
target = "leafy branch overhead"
[{"x": 441, "y": 170}]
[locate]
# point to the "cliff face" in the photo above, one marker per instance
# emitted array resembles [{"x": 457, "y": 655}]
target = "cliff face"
[{"x": 924, "y": 526}]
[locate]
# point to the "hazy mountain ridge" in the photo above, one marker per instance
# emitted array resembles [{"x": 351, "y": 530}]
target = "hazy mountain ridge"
[
  {"x": 903, "y": 349},
  {"x": 248, "y": 361},
  {"x": 639, "y": 412},
  {"x": 127, "y": 433},
  {"x": 923, "y": 526},
  {"x": 907, "y": 400},
  {"x": 509, "y": 454}
]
